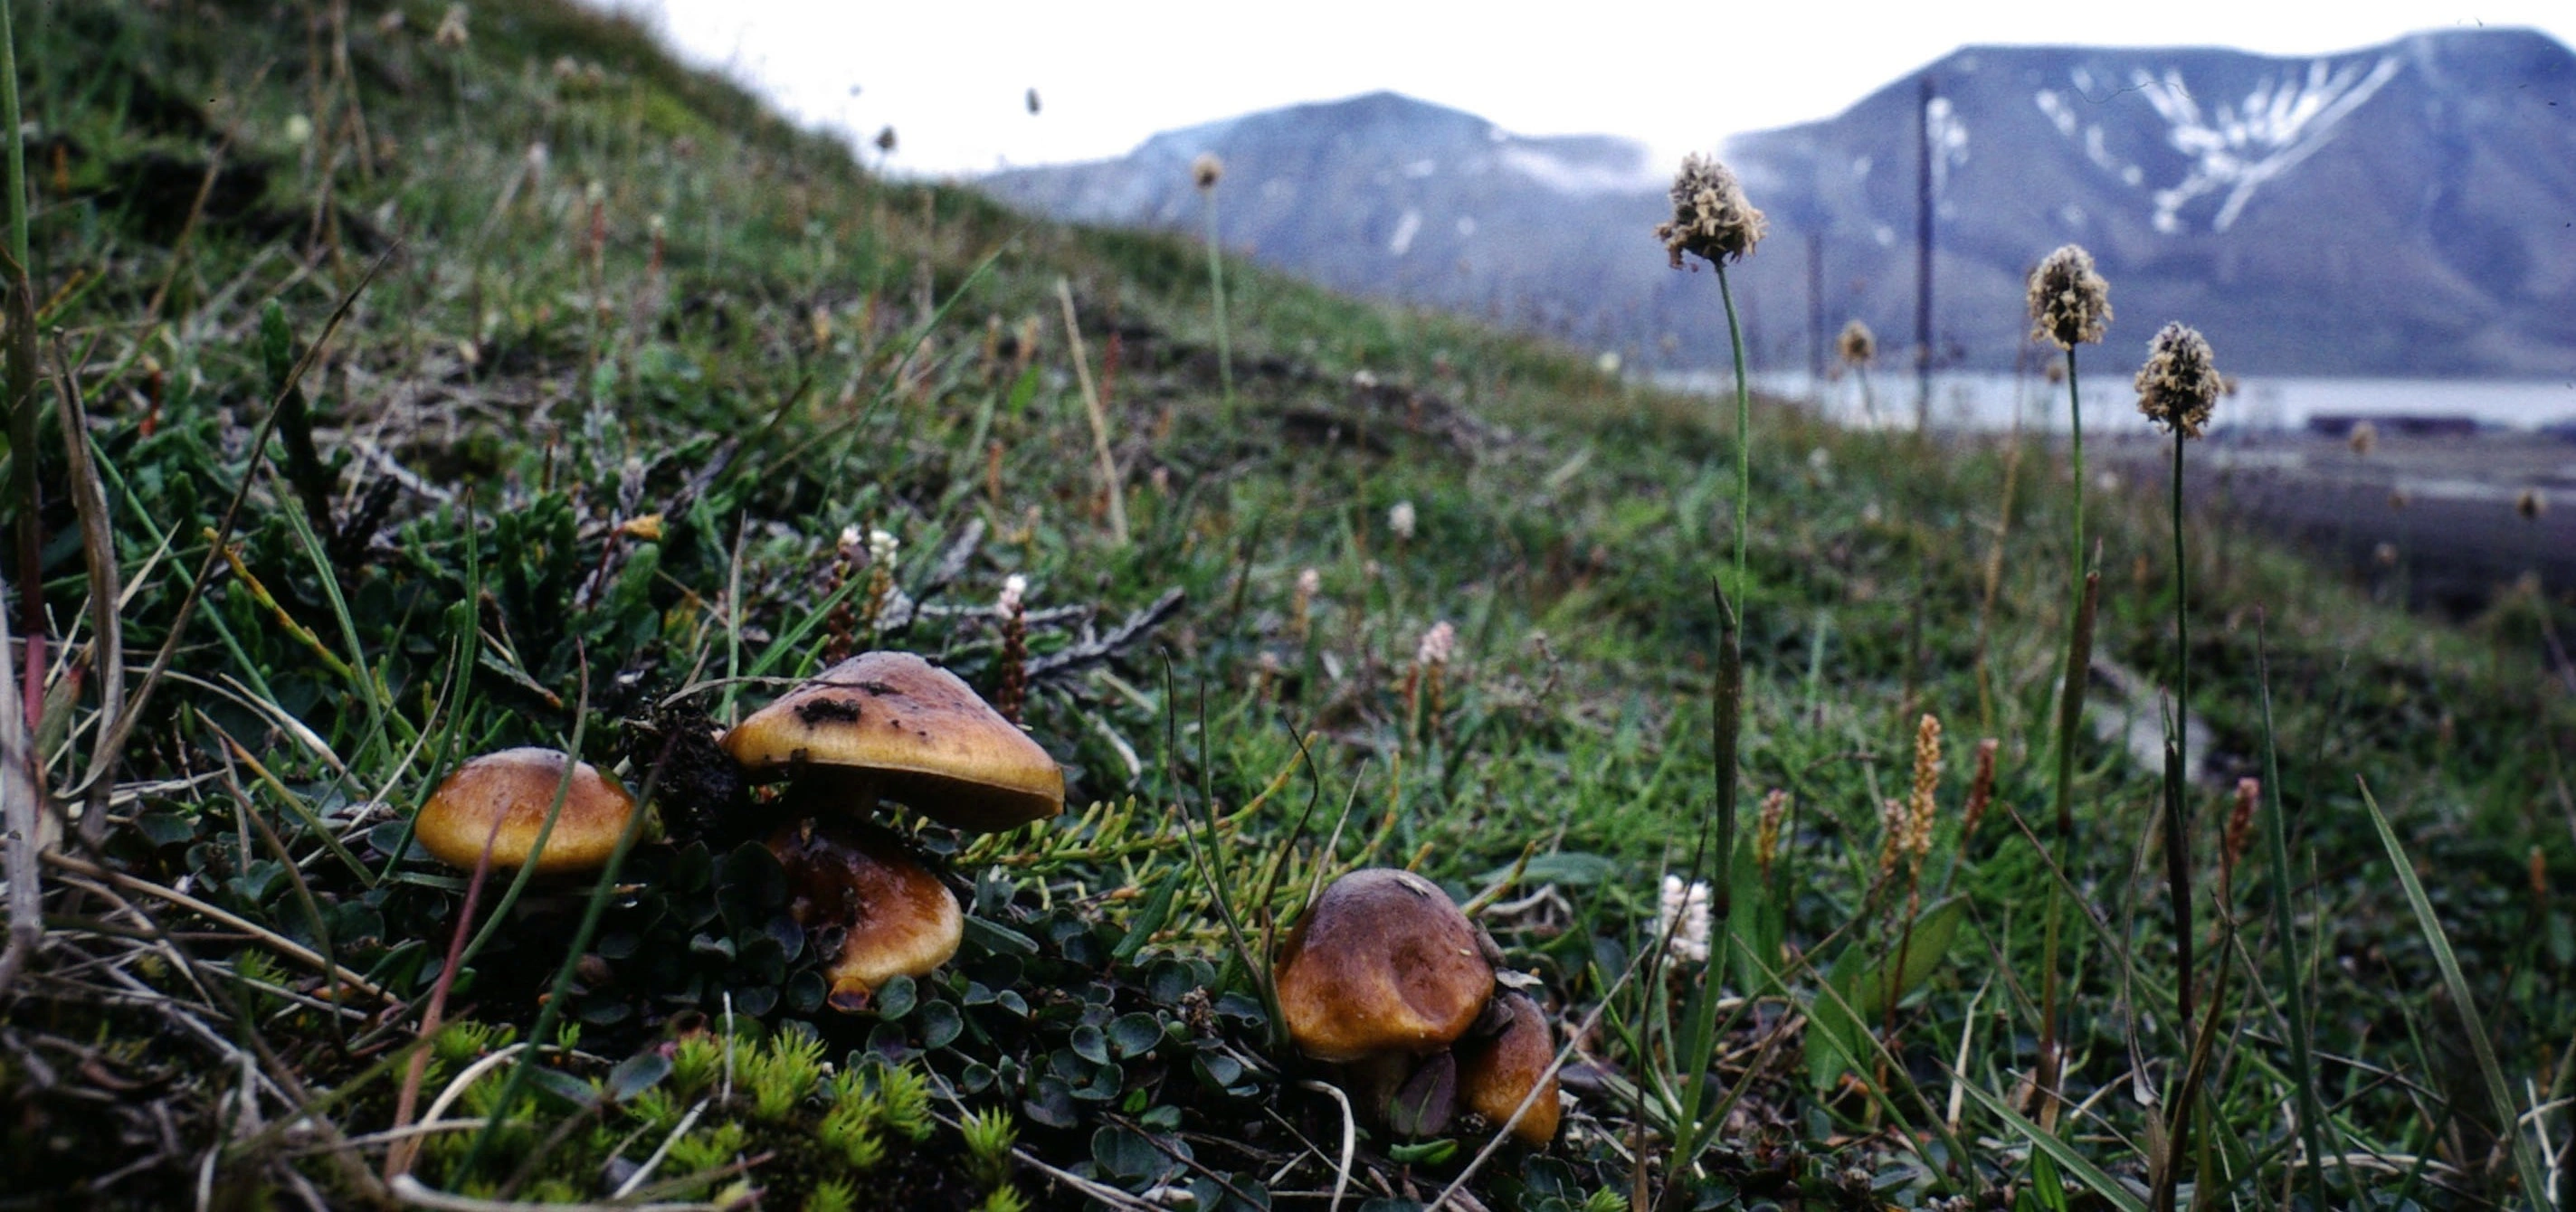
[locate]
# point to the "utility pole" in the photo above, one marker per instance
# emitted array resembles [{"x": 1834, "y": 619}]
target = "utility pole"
[
  {"x": 1816, "y": 308},
  {"x": 1923, "y": 261}
]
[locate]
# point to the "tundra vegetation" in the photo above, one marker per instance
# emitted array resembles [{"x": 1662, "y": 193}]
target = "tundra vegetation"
[{"x": 390, "y": 385}]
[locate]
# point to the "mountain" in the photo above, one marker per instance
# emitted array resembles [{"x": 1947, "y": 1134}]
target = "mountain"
[{"x": 2408, "y": 208}]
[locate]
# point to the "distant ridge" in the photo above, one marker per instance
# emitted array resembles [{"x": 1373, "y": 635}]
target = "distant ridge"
[{"x": 2408, "y": 208}]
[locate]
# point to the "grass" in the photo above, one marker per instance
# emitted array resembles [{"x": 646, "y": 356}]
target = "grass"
[{"x": 581, "y": 484}]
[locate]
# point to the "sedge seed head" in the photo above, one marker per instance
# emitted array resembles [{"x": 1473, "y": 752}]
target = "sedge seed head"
[
  {"x": 1857, "y": 345},
  {"x": 2177, "y": 385},
  {"x": 2069, "y": 301},
  {"x": 1711, "y": 219},
  {"x": 1922, "y": 806},
  {"x": 2529, "y": 504},
  {"x": 1206, "y": 171},
  {"x": 1766, "y": 836}
]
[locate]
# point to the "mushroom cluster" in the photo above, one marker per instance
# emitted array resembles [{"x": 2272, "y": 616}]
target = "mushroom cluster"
[
  {"x": 1382, "y": 974},
  {"x": 881, "y": 726},
  {"x": 886, "y": 726}
]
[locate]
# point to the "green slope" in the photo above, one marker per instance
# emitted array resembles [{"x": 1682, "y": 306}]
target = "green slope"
[{"x": 634, "y": 353}]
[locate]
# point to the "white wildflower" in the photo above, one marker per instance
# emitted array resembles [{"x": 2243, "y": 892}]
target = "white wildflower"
[
  {"x": 1438, "y": 645},
  {"x": 882, "y": 546},
  {"x": 1014, "y": 588},
  {"x": 1400, "y": 519},
  {"x": 1682, "y": 917},
  {"x": 1310, "y": 582}
]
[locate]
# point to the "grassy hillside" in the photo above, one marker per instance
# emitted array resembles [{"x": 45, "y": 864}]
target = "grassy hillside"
[{"x": 445, "y": 390}]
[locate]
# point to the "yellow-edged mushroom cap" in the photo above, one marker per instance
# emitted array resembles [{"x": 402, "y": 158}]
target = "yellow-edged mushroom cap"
[
  {"x": 505, "y": 796},
  {"x": 900, "y": 920},
  {"x": 914, "y": 733},
  {"x": 1497, "y": 1072},
  {"x": 1381, "y": 963}
]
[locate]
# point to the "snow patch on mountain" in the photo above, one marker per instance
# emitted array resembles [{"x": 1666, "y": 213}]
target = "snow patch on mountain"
[{"x": 1579, "y": 179}]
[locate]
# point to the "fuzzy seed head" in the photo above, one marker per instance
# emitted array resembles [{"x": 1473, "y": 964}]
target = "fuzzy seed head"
[
  {"x": 1309, "y": 582},
  {"x": 2069, "y": 302},
  {"x": 1858, "y": 345},
  {"x": 2529, "y": 504},
  {"x": 2177, "y": 385},
  {"x": 1981, "y": 788},
  {"x": 1033, "y": 101},
  {"x": 1681, "y": 915},
  {"x": 1399, "y": 518},
  {"x": 452, "y": 34},
  {"x": 885, "y": 141},
  {"x": 1711, "y": 219},
  {"x": 1206, "y": 171},
  {"x": 1895, "y": 822},
  {"x": 2364, "y": 438},
  {"x": 1439, "y": 643},
  {"x": 1922, "y": 807},
  {"x": 1766, "y": 835},
  {"x": 2240, "y": 820}
]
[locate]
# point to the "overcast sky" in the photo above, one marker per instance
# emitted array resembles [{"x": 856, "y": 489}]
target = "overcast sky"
[{"x": 952, "y": 76}]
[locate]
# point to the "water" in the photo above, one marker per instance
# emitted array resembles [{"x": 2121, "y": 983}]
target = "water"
[{"x": 1988, "y": 401}]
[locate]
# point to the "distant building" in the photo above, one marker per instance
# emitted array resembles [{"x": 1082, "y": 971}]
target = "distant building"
[{"x": 2412, "y": 425}]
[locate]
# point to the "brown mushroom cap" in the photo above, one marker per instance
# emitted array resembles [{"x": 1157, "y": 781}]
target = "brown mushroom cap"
[
  {"x": 1382, "y": 962},
  {"x": 907, "y": 730},
  {"x": 901, "y": 921},
  {"x": 514, "y": 789},
  {"x": 1495, "y": 1073}
]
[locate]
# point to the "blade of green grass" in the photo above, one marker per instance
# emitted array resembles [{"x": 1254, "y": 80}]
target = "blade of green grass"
[{"x": 2534, "y": 1184}]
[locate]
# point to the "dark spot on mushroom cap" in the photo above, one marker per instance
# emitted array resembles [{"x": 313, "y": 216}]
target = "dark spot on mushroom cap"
[{"x": 822, "y": 710}]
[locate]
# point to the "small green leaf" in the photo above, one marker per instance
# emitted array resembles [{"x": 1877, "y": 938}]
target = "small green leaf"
[
  {"x": 1150, "y": 917},
  {"x": 637, "y": 1074},
  {"x": 895, "y": 998},
  {"x": 940, "y": 1025},
  {"x": 1135, "y": 1034},
  {"x": 1424, "y": 1153},
  {"x": 992, "y": 936}
]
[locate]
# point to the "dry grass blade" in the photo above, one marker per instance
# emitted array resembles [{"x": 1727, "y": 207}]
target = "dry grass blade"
[
  {"x": 1094, "y": 407},
  {"x": 18, "y": 809},
  {"x": 98, "y": 550},
  {"x": 280, "y": 943}
]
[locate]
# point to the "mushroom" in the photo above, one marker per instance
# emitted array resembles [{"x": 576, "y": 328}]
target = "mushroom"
[
  {"x": 1383, "y": 973},
  {"x": 504, "y": 797},
  {"x": 892, "y": 725},
  {"x": 899, "y": 920},
  {"x": 1496, "y": 1072}
]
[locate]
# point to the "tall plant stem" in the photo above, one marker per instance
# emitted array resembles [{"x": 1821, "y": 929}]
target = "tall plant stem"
[
  {"x": 2177, "y": 767},
  {"x": 20, "y": 403},
  {"x": 1216, "y": 288},
  {"x": 2070, "y": 716},
  {"x": 17, "y": 138},
  {"x": 2178, "y": 834},
  {"x": 2276, "y": 845},
  {"x": 1743, "y": 433}
]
